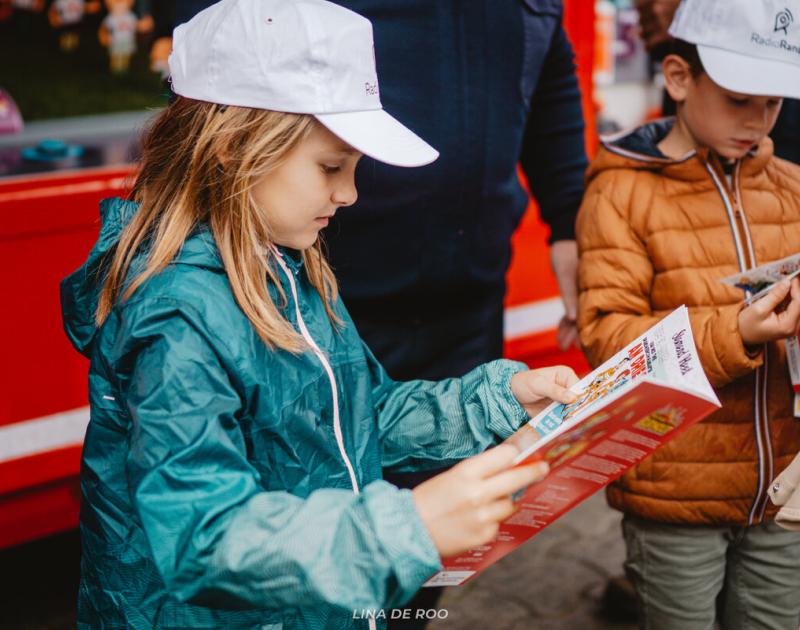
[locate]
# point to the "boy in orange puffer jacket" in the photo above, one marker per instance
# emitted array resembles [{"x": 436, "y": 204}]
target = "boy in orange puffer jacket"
[{"x": 670, "y": 209}]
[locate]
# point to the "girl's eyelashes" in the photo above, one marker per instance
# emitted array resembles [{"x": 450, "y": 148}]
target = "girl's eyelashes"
[
  {"x": 330, "y": 169},
  {"x": 737, "y": 100}
]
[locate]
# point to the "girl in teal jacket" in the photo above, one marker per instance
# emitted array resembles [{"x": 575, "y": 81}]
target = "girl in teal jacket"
[{"x": 231, "y": 473}]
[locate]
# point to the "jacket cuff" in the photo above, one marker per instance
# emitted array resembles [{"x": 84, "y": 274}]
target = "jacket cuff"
[
  {"x": 403, "y": 537},
  {"x": 734, "y": 357},
  {"x": 506, "y": 415},
  {"x": 562, "y": 225}
]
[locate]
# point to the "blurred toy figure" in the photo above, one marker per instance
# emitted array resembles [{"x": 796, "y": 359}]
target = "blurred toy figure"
[
  {"x": 146, "y": 21},
  {"x": 66, "y": 16},
  {"x": 159, "y": 54},
  {"x": 158, "y": 19},
  {"x": 118, "y": 34}
]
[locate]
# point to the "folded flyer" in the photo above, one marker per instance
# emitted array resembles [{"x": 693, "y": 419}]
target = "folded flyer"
[
  {"x": 645, "y": 395},
  {"x": 759, "y": 281}
]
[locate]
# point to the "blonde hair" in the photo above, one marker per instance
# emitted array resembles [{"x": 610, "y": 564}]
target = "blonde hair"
[{"x": 199, "y": 163}]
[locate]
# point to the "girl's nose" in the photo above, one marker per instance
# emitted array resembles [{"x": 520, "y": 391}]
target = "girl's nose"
[{"x": 345, "y": 195}]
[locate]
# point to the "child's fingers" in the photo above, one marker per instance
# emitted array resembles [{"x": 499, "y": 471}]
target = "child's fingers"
[
  {"x": 771, "y": 300},
  {"x": 566, "y": 376},
  {"x": 559, "y": 391},
  {"x": 490, "y": 462},
  {"x": 498, "y": 510},
  {"x": 509, "y": 481},
  {"x": 791, "y": 316}
]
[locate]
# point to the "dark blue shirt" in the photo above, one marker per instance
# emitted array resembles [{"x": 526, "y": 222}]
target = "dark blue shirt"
[{"x": 490, "y": 84}]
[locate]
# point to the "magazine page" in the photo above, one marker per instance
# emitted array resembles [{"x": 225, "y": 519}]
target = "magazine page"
[
  {"x": 666, "y": 353},
  {"x": 646, "y": 395},
  {"x": 583, "y": 460},
  {"x": 758, "y": 282}
]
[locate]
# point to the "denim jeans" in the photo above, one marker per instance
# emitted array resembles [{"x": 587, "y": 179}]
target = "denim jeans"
[{"x": 688, "y": 577}]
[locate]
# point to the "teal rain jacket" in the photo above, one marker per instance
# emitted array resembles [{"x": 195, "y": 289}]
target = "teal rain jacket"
[{"x": 227, "y": 485}]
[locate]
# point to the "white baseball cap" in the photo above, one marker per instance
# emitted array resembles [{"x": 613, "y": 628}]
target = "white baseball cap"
[
  {"x": 298, "y": 56},
  {"x": 747, "y": 46}
]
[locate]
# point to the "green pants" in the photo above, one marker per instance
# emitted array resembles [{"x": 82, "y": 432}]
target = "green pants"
[{"x": 687, "y": 577}]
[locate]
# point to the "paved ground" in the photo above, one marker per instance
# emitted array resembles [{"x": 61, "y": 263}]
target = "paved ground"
[{"x": 555, "y": 581}]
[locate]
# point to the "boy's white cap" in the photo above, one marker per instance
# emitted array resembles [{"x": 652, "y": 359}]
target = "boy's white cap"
[
  {"x": 299, "y": 56},
  {"x": 746, "y": 46}
]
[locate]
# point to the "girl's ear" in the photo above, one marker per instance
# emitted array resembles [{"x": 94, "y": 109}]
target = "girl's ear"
[{"x": 677, "y": 76}]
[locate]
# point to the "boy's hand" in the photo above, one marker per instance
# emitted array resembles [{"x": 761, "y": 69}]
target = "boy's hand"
[
  {"x": 764, "y": 321},
  {"x": 535, "y": 389},
  {"x": 463, "y": 507}
]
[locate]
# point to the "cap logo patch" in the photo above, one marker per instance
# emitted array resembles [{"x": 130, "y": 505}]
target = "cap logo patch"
[{"x": 783, "y": 21}]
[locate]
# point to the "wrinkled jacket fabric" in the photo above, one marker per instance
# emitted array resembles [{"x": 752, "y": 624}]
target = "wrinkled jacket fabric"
[
  {"x": 654, "y": 234},
  {"x": 214, "y": 493}
]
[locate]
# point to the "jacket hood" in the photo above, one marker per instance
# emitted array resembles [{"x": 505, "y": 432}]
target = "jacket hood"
[
  {"x": 638, "y": 150},
  {"x": 80, "y": 291}
]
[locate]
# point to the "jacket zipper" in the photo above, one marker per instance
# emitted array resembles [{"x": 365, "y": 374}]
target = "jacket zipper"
[
  {"x": 337, "y": 427},
  {"x": 762, "y": 411},
  {"x": 747, "y": 260}
]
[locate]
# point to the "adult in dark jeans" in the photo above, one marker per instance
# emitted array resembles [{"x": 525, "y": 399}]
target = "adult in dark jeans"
[{"x": 423, "y": 257}]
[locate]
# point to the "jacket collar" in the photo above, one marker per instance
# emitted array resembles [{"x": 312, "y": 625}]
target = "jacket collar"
[
  {"x": 638, "y": 149},
  {"x": 292, "y": 257}
]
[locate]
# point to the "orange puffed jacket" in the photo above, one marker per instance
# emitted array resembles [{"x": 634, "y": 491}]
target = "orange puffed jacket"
[{"x": 653, "y": 234}]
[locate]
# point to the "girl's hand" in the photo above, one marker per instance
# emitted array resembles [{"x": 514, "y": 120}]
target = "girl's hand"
[
  {"x": 763, "y": 321},
  {"x": 535, "y": 389},
  {"x": 463, "y": 507}
]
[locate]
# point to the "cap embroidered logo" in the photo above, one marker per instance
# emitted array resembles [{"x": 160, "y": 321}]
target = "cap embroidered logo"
[{"x": 783, "y": 21}]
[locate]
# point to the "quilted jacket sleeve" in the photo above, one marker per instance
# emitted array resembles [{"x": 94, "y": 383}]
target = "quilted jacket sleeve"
[{"x": 615, "y": 278}]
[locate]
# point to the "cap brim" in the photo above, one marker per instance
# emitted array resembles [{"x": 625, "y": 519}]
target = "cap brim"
[
  {"x": 750, "y": 75},
  {"x": 380, "y": 136}
]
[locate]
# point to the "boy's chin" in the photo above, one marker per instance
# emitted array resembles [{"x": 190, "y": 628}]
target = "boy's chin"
[{"x": 732, "y": 153}]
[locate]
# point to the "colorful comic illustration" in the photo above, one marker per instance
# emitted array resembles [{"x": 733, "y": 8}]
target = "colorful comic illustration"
[
  {"x": 758, "y": 282},
  {"x": 666, "y": 353},
  {"x": 641, "y": 398},
  {"x": 662, "y": 421}
]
